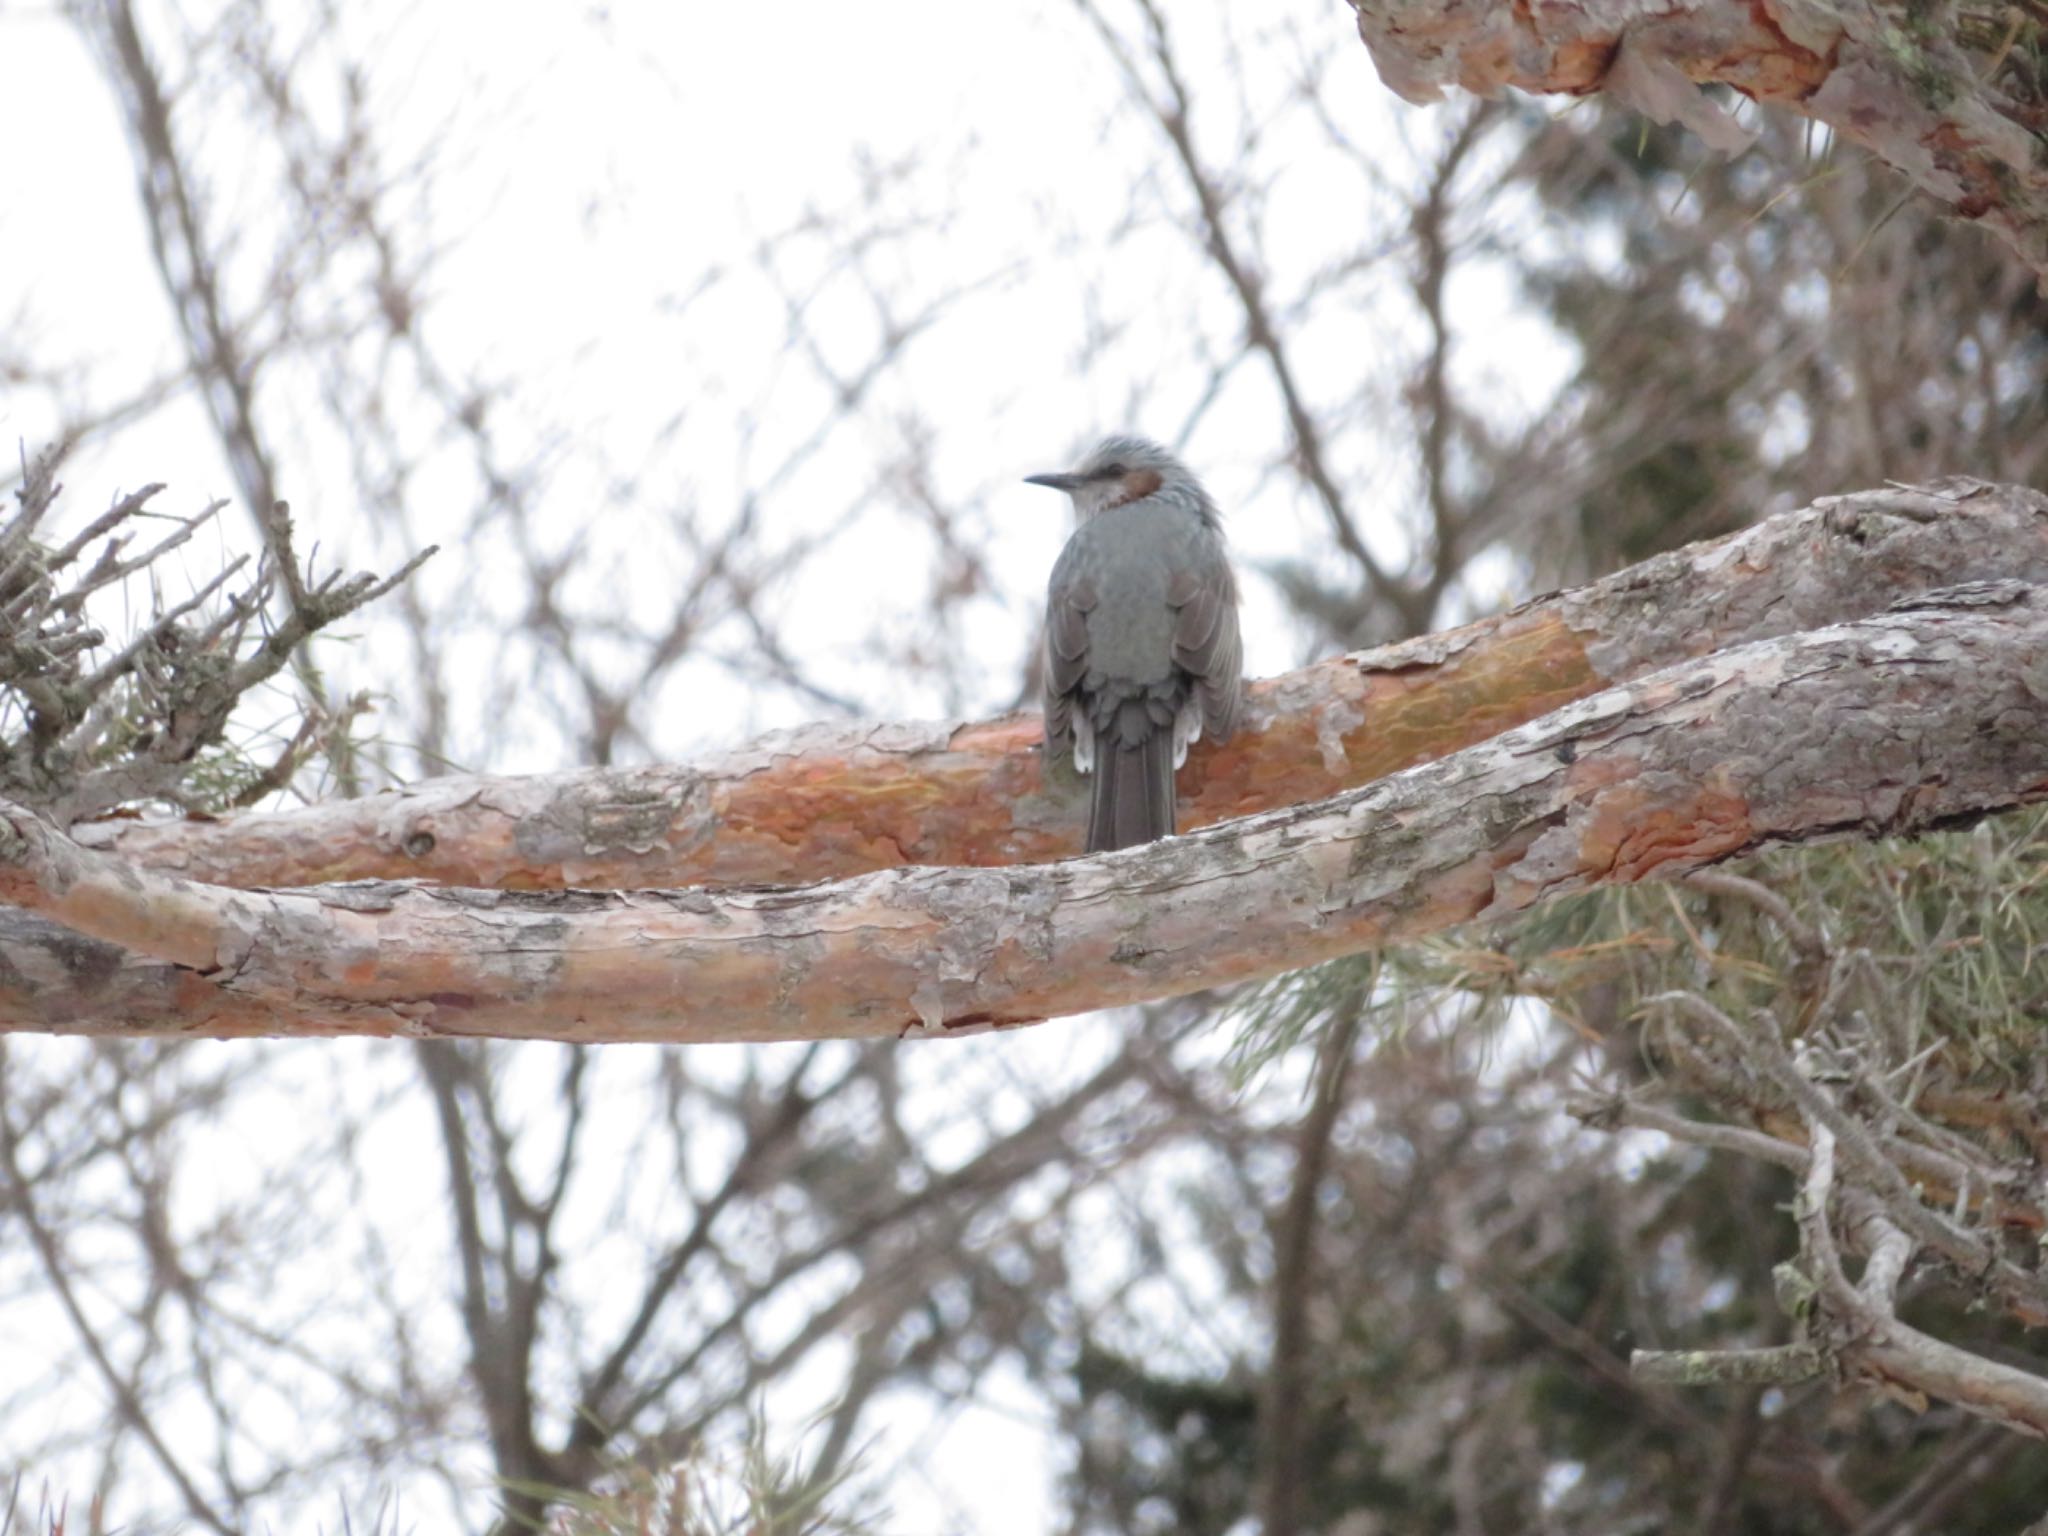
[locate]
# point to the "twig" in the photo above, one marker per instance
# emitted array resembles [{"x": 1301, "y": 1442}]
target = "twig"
[
  {"x": 1604, "y": 1112},
  {"x": 1778, "y": 1365},
  {"x": 1799, "y": 933}
]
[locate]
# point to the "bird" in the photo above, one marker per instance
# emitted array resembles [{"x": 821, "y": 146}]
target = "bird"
[{"x": 1142, "y": 650}]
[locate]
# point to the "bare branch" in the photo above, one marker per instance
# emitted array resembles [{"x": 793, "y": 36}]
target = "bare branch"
[
  {"x": 1608, "y": 1112},
  {"x": 1851, "y": 1328},
  {"x": 1173, "y": 114}
]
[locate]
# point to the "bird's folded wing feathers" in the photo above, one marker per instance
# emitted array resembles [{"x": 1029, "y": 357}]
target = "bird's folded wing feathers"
[
  {"x": 1205, "y": 641},
  {"x": 1066, "y": 647}
]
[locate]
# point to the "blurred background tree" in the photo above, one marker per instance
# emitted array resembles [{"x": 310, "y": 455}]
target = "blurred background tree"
[{"x": 719, "y": 424}]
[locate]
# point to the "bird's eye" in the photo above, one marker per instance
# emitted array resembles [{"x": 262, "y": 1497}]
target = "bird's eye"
[{"x": 1114, "y": 472}]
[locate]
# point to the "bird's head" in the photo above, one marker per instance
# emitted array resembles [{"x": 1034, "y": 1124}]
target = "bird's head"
[{"x": 1122, "y": 470}]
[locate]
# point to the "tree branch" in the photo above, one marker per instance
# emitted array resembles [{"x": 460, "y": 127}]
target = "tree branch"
[
  {"x": 1851, "y": 1329},
  {"x": 1958, "y": 115},
  {"x": 1779, "y": 1364},
  {"x": 831, "y": 801},
  {"x": 1920, "y": 718}
]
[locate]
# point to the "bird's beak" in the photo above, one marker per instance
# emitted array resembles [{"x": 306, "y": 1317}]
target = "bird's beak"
[{"x": 1062, "y": 482}]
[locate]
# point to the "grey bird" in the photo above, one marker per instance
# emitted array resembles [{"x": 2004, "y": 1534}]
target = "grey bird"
[{"x": 1142, "y": 654}]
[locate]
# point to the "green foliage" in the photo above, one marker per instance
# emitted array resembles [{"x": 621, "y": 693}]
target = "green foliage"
[
  {"x": 1920, "y": 957},
  {"x": 1938, "y": 941}
]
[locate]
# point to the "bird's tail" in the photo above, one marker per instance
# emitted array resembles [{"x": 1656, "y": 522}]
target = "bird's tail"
[{"x": 1132, "y": 798}]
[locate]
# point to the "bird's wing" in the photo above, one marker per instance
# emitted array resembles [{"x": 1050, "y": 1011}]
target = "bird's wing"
[
  {"x": 1068, "y": 600},
  {"x": 1205, "y": 639}
]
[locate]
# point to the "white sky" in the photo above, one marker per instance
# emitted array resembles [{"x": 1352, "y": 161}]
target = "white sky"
[{"x": 591, "y": 164}]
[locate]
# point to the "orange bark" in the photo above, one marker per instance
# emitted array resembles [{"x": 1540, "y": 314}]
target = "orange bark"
[
  {"x": 1907, "y": 720},
  {"x": 833, "y": 801}
]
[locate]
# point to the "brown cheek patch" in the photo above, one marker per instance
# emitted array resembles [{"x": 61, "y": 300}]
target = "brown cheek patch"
[{"x": 1139, "y": 484}]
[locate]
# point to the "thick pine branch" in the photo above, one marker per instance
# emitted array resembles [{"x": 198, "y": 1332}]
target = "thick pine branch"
[
  {"x": 1954, "y": 103},
  {"x": 1921, "y": 717},
  {"x": 832, "y": 801}
]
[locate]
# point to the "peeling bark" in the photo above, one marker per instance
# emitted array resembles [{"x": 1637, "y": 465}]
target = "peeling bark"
[
  {"x": 1898, "y": 81},
  {"x": 832, "y": 801},
  {"x": 1931, "y": 714}
]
